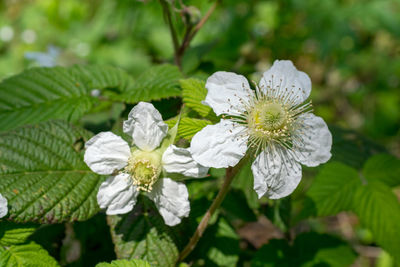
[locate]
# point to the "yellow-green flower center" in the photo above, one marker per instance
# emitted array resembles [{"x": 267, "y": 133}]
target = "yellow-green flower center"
[
  {"x": 268, "y": 121},
  {"x": 144, "y": 168}
]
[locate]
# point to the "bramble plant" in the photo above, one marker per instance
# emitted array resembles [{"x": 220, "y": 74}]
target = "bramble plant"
[{"x": 173, "y": 159}]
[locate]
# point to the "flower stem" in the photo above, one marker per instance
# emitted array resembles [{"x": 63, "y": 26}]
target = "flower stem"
[
  {"x": 230, "y": 174},
  {"x": 191, "y": 32},
  {"x": 168, "y": 17}
]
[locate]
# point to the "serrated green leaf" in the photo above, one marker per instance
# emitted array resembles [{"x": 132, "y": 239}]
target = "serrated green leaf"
[
  {"x": 219, "y": 245},
  {"x": 384, "y": 168},
  {"x": 193, "y": 93},
  {"x": 188, "y": 127},
  {"x": 224, "y": 250},
  {"x": 43, "y": 176},
  {"x": 40, "y": 94},
  {"x": 158, "y": 82},
  {"x": 13, "y": 234},
  {"x": 30, "y": 254},
  {"x": 332, "y": 190},
  {"x": 142, "y": 234},
  {"x": 101, "y": 77},
  {"x": 351, "y": 148},
  {"x": 125, "y": 263},
  {"x": 378, "y": 209}
]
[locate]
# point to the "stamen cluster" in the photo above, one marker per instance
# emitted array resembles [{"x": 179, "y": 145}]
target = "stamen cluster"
[
  {"x": 271, "y": 116},
  {"x": 143, "y": 170}
]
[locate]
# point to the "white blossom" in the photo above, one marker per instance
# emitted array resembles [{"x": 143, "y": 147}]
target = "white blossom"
[
  {"x": 274, "y": 122},
  {"x": 142, "y": 168},
  {"x": 3, "y": 206}
]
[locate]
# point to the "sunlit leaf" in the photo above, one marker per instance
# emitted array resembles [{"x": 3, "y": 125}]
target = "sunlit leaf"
[
  {"x": 142, "y": 234},
  {"x": 30, "y": 254},
  {"x": 43, "y": 176}
]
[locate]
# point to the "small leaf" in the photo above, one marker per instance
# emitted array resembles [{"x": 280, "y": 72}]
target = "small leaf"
[
  {"x": 193, "y": 93},
  {"x": 188, "y": 127},
  {"x": 220, "y": 244},
  {"x": 384, "y": 168},
  {"x": 30, "y": 254},
  {"x": 332, "y": 190},
  {"x": 13, "y": 234},
  {"x": 158, "y": 82},
  {"x": 142, "y": 234},
  {"x": 378, "y": 209},
  {"x": 43, "y": 176},
  {"x": 171, "y": 136},
  {"x": 125, "y": 263}
]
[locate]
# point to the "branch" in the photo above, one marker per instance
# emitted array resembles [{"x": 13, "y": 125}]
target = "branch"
[
  {"x": 230, "y": 174},
  {"x": 189, "y": 35},
  {"x": 167, "y": 14}
]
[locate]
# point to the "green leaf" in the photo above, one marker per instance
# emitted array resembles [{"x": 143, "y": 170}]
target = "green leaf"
[
  {"x": 43, "y": 176},
  {"x": 332, "y": 190},
  {"x": 30, "y": 254},
  {"x": 102, "y": 77},
  {"x": 224, "y": 249},
  {"x": 12, "y": 234},
  {"x": 188, "y": 127},
  {"x": 378, "y": 210},
  {"x": 125, "y": 263},
  {"x": 308, "y": 249},
  {"x": 158, "y": 82},
  {"x": 219, "y": 246},
  {"x": 384, "y": 168},
  {"x": 275, "y": 253},
  {"x": 193, "y": 93},
  {"x": 40, "y": 94},
  {"x": 351, "y": 148},
  {"x": 142, "y": 234},
  {"x": 171, "y": 136}
]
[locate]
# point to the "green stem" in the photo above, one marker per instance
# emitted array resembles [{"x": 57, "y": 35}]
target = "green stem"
[
  {"x": 175, "y": 41},
  {"x": 230, "y": 174},
  {"x": 191, "y": 32}
]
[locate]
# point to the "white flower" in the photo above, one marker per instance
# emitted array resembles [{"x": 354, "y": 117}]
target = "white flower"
[
  {"x": 3, "y": 206},
  {"x": 142, "y": 167},
  {"x": 274, "y": 122}
]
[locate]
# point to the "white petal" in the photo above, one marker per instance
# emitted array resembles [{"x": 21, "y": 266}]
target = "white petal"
[
  {"x": 171, "y": 199},
  {"x": 106, "y": 152},
  {"x": 117, "y": 194},
  {"x": 284, "y": 77},
  {"x": 220, "y": 145},
  {"x": 146, "y": 126},
  {"x": 276, "y": 175},
  {"x": 3, "y": 206},
  {"x": 226, "y": 92},
  {"x": 179, "y": 160},
  {"x": 316, "y": 141}
]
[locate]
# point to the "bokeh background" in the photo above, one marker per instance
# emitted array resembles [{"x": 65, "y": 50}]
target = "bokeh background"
[{"x": 350, "y": 49}]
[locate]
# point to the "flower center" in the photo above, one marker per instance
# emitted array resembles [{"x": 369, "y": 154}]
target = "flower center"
[
  {"x": 268, "y": 120},
  {"x": 144, "y": 168},
  {"x": 271, "y": 116}
]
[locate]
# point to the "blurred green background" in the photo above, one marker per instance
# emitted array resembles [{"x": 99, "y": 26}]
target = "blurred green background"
[{"x": 350, "y": 48}]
